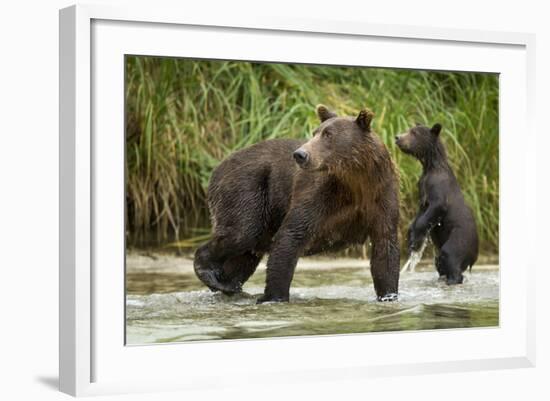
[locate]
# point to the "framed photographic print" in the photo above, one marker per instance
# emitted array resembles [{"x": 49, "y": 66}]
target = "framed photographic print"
[{"x": 245, "y": 190}]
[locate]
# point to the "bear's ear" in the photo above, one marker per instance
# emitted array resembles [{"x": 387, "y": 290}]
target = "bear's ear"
[
  {"x": 324, "y": 113},
  {"x": 436, "y": 129},
  {"x": 364, "y": 119}
]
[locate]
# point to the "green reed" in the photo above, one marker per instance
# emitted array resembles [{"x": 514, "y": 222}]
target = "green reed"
[{"x": 184, "y": 116}]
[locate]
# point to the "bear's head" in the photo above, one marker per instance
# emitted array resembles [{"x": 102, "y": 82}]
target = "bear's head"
[
  {"x": 338, "y": 142},
  {"x": 419, "y": 141}
]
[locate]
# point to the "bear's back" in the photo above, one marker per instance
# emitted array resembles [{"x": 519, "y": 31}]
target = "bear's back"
[{"x": 260, "y": 177}]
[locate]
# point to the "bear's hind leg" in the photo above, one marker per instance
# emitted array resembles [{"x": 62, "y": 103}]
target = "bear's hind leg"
[
  {"x": 225, "y": 262},
  {"x": 209, "y": 262},
  {"x": 207, "y": 268},
  {"x": 439, "y": 267},
  {"x": 450, "y": 264},
  {"x": 238, "y": 269}
]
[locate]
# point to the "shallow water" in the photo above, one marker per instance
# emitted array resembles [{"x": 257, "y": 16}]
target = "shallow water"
[{"x": 164, "y": 305}]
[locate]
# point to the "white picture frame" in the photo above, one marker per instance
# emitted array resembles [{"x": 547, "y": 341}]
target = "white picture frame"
[{"x": 94, "y": 360}]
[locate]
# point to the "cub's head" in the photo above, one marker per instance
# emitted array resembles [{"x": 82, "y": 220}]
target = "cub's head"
[
  {"x": 419, "y": 140},
  {"x": 336, "y": 142}
]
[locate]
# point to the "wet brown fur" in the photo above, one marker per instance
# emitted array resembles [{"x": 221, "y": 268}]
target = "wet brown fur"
[{"x": 262, "y": 202}]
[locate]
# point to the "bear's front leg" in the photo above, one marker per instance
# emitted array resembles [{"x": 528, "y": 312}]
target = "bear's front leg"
[
  {"x": 412, "y": 240},
  {"x": 280, "y": 267},
  {"x": 385, "y": 266},
  {"x": 287, "y": 246},
  {"x": 421, "y": 227}
]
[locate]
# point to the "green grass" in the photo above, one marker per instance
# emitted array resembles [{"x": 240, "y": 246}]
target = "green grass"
[{"x": 184, "y": 116}]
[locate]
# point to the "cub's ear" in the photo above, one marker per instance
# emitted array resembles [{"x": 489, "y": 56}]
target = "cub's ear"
[
  {"x": 436, "y": 129},
  {"x": 324, "y": 113},
  {"x": 364, "y": 119}
]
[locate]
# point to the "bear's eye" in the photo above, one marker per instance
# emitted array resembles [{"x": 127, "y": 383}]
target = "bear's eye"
[{"x": 327, "y": 133}]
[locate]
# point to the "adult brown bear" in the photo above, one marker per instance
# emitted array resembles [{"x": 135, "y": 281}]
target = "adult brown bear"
[{"x": 291, "y": 198}]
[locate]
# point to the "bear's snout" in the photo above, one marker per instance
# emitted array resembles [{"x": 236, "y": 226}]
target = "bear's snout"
[
  {"x": 400, "y": 141},
  {"x": 301, "y": 157}
]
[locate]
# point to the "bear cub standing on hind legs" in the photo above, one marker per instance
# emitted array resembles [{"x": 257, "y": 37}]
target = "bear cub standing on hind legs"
[
  {"x": 292, "y": 198},
  {"x": 443, "y": 212}
]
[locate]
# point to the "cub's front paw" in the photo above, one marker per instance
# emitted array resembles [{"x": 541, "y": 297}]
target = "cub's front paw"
[
  {"x": 391, "y": 297},
  {"x": 271, "y": 298},
  {"x": 415, "y": 244}
]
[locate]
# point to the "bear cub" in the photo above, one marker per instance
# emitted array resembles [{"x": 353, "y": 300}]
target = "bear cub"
[
  {"x": 443, "y": 213},
  {"x": 291, "y": 198}
]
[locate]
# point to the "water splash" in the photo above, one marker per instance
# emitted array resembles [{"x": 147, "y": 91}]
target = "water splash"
[
  {"x": 322, "y": 301},
  {"x": 415, "y": 258}
]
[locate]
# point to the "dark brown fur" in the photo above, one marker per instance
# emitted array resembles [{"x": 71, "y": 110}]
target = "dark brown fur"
[
  {"x": 443, "y": 213},
  {"x": 343, "y": 191}
]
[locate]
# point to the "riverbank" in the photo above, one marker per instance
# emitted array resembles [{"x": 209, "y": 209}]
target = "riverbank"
[{"x": 164, "y": 262}]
